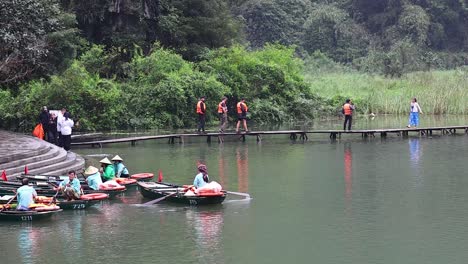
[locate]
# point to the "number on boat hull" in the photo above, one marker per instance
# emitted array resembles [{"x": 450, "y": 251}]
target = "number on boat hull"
[
  {"x": 78, "y": 206},
  {"x": 193, "y": 202},
  {"x": 26, "y": 218}
]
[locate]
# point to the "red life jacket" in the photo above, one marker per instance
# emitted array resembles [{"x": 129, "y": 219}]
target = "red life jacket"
[
  {"x": 201, "y": 107},
  {"x": 240, "y": 106},
  {"x": 347, "y": 109}
]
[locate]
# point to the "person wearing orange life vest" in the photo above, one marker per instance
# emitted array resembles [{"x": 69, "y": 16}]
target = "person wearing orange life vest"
[
  {"x": 347, "y": 110},
  {"x": 242, "y": 115},
  {"x": 222, "y": 112},
  {"x": 201, "y": 111}
]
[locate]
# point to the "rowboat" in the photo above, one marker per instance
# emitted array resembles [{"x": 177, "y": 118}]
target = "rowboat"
[
  {"x": 48, "y": 191},
  {"x": 146, "y": 176},
  {"x": 42, "y": 179},
  {"x": 178, "y": 194},
  {"x": 14, "y": 215},
  {"x": 86, "y": 201}
]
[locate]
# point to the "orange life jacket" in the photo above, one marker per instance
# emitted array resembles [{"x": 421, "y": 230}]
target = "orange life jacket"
[
  {"x": 221, "y": 107},
  {"x": 241, "y": 105},
  {"x": 201, "y": 109},
  {"x": 347, "y": 109}
]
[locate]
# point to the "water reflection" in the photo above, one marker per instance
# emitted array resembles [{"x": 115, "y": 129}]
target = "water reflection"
[
  {"x": 222, "y": 167},
  {"x": 27, "y": 243},
  {"x": 242, "y": 160},
  {"x": 348, "y": 175},
  {"x": 208, "y": 227},
  {"x": 415, "y": 156}
]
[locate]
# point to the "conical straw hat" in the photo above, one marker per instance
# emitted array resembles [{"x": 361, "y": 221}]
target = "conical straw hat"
[
  {"x": 117, "y": 158},
  {"x": 105, "y": 161},
  {"x": 91, "y": 170}
]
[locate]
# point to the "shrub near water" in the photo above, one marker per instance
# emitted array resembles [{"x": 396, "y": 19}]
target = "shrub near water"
[{"x": 439, "y": 92}]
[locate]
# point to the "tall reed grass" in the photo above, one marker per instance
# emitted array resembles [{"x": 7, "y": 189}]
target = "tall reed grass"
[{"x": 438, "y": 92}]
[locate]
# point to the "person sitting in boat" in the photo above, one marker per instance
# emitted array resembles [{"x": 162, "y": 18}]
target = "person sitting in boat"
[
  {"x": 119, "y": 168},
  {"x": 26, "y": 195},
  {"x": 201, "y": 179},
  {"x": 107, "y": 170},
  {"x": 71, "y": 187},
  {"x": 93, "y": 177}
]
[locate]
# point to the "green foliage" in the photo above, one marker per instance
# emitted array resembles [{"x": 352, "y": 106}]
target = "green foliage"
[{"x": 33, "y": 33}]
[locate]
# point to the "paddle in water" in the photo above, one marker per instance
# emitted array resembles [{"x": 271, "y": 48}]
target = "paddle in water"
[{"x": 159, "y": 199}]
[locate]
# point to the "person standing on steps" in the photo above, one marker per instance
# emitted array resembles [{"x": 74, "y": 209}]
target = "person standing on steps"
[
  {"x": 66, "y": 125},
  {"x": 222, "y": 112},
  {"x": 59, "y": 129},
  {"x": 347, "y": 110},
  {"x": 415, "y": 110},
  {"x": 52, "y": 134},
  {"x": 44, "y": 117},
  {"x": 242, "y": 115},
  {"x": 201, "y": 111}
]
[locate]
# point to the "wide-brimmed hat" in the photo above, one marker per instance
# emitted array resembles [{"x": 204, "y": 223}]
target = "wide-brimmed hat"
[
  {"x": 105, "y": 161},
  {"x": 91, "y": 170},
  {"x": 117, "y": 158}
]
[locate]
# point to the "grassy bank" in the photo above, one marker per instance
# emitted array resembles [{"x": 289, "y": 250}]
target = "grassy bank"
[{"x": 439, "y": 92}]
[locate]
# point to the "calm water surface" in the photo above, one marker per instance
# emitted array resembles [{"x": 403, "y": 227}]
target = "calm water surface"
[{"x": 351, "y": 201}]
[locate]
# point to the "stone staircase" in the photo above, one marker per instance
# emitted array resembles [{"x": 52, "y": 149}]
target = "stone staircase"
[{"x": 41, "y": 157}]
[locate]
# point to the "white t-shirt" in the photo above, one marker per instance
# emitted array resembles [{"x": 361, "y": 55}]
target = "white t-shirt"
[
  {"x": 66, "y": 126},
  {"x": 415, "y": 108}
]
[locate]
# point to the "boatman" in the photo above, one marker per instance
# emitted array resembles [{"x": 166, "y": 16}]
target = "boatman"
[
  {"x": 242, "y": 115},
  {"x": 201, "y": 111},
  {"x": 26, "y": 195},
  {"x": 347, "y": 110},
  {"x": 71, "y": 187},
  {"x": 93, "y": 177},
  {"x": 119, "y": 168},
  {"x": 222, "y": 112},
  {"x": 107, "y": 170}
]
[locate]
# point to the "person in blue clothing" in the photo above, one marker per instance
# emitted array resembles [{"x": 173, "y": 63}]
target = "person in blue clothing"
[
  {"x": 119, "y": 168},
  {"x": 71, "y": 187},
  {"x": 93, "y": 177},
  {"x": 201, "y": 179},
  {"x": 26, "y": 195}
]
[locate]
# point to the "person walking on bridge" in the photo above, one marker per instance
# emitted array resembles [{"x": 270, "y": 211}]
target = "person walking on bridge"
[
  {"x": 415, "y": 110},
  {"x": 201, "y": 111},
  {"x": 242, "y": 115},
  {"x": 347, "y": 110},
  {"x": 222, "y": 112}
]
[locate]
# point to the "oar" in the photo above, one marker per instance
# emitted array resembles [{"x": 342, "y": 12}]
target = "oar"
[
  {"x": 159, "y": 199},
  {"x": 4, "y": 206},
  {"x": 246, "y": 195},
  {"x": 55, "y": 196}
]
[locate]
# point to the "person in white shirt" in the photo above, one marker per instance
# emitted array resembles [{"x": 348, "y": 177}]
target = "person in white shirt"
[
  {"x": 66, "y": 125},
  {"x": 59, "y": 120},
  {"x": 415, "y": 109}
]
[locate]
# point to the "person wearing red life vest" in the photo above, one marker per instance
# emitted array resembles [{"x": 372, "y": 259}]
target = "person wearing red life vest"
[
  {"x": 222, "y": 112},
  {"x": 347, "y": 110},
  {"x": 242, "y": 115},
  {"x": 201, "y": 111}
]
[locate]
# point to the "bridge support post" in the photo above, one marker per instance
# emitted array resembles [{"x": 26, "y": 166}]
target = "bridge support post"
[
  {"x": 259, "y": 138},
  {"x": 293, "y": 136},
  {"x": 181, "y": 140},
  {"x": 243, "y": 138},
  {"x": 383, "y": 134},
  {"x": 133, "y": 142},
  {"x": 208, "y": 139}
]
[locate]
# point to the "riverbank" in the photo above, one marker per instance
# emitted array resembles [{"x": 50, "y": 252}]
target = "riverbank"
[
  {"x": 438, "y": 92},
  {"x": 40, "y": 157}
]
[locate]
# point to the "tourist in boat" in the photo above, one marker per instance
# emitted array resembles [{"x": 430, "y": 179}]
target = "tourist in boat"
[
  {"x": 201, "y": 111},
  {"x": 119, "y": 168},
  {"x": 107, "y": 170},
  {"x": 415, "y": 110},
  {"x": 66, "y": 125},
  {"x": 242, "y": 115},
  {"x": 93, "y": 177},
  {"x": 71, "y": 187},
  {"x": 222, "y": 112},
  {"x": 347, "y": 110},
  {"x": 26, "y": 195},
  {"x": 201, "y": 179}
]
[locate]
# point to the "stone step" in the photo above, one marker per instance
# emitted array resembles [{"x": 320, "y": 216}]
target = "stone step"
[
  {"x": 67, "y": 160},
  {"x": 56, "y": 155},
  {"x": 21, "y": 147},
  {"x": 11, "y": 166},
  {"x": 77, "y": 166}
]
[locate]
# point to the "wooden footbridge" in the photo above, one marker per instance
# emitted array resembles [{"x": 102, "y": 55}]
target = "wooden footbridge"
[{"x": 293, "y": 135}]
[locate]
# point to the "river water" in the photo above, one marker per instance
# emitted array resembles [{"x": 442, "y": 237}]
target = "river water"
[{"x": 397, "y": 200}]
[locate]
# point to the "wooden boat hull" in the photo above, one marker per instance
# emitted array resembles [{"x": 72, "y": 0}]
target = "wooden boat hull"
[
  {"x": 77, "y": 204},
  {"x": 26, "y": 215},
  {"x": 180, "y": 198},
  {"x": 4, "y": 190}
]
